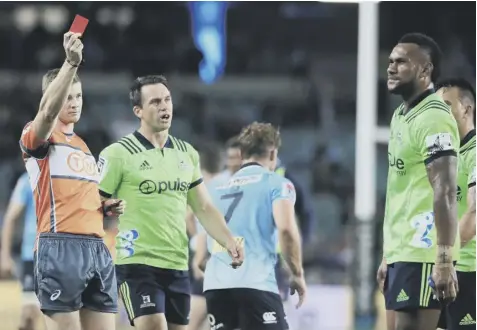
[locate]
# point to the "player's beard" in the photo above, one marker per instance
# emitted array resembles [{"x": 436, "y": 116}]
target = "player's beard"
[{"x": 403, "y": 89}]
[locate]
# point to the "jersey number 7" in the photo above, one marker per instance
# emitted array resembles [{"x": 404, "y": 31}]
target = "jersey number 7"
[{"x": 235, "y": 197}]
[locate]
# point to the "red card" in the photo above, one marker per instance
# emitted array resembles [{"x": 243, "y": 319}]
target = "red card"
[{"x": 79, "y": 24}]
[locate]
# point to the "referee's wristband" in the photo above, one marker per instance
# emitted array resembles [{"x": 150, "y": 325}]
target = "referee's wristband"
[{"x": 72, "y": 64}]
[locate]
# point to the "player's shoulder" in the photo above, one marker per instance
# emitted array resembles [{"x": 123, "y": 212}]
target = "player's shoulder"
[
  {"x": 182, "y": 145},
  {"x": 23, "y": 181},
  {"x": 432, "y": 108},
  {"x": 122, "y": 148}
]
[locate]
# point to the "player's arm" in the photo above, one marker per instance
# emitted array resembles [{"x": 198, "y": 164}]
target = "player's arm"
[
  {"x": 57, "y": 92},
  {"x": 283, "y": 198},
  {"x": 209, "y": 216},
  {"x": 438, "y": 140},
  {"x": 467, "y": 222},
  {"x": 15, "y": 209}
]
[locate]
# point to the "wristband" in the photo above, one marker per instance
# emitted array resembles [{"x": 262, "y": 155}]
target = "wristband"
[{"x": 72, "y": 64}]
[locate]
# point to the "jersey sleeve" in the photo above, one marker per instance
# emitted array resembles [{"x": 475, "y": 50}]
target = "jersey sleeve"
[
  {"x": 21, "y": 192},
  {"x": 282, "y": 188},
  {"x": 31, "y": 145},
  {"x": 436, "y": 135},
  {"x": 197, "y": 174},
  {"x": 110, "y": 167}
]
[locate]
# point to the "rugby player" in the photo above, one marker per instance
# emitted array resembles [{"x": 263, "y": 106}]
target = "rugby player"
[
  {"x": 460, "y": 97},
  {"x": 211, "y": 165},
  {"x": 158, "y": 175},
  {"x": 74, "y": 274},
  {"x": 259, "y": 208},
  {"x": 420, "y": 225},
  {"x": 22, "y": 206}
]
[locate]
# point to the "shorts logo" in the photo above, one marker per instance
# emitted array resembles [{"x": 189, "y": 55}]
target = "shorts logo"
[
  {"x": 55, "y": 295},
  {"x": 213, "y": 325},
  {"x": 146, "y": 302},
  {"x": 269, "y": 318}
]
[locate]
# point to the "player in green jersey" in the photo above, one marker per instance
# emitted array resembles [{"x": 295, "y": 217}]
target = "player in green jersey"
[
  {"x": 420, "y": 225},
  {"x": 157, "y": 175},
  {"x": 460, "y": 96}
]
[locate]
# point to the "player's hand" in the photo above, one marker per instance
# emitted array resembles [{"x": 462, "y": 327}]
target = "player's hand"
[
  {"x": 73, "y": 48},
  {"x": 444, "y": 283},
  {"x": 235, "y": 250},
  {"x": 381, "y": 275},
  {"x": 6, "y": 267},
  {"x": 114, "y": 207},
  {"x": 298, "y": 285}
]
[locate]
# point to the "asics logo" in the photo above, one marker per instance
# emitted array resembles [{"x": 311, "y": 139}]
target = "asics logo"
[{"x": 55, "y": 295}]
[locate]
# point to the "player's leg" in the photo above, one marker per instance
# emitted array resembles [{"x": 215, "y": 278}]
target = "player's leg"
[
  {"x": 177, "y": 298},
  {"x": 442, "y": 324},
  {"x": 390, "y": 320},
  {"x": 143, "y": 297},
  {"x": 409, "y": 296},
  {"x": 223, "y": 309},
  {"x": 260, "y": 310},
  {"x": 62, "y": 271},
  {"x": 31, "y": 316},
  {"x": 461, "y": 313},
  {"x": 100, "y": 298},
  {"x": 198, "y": 312}
]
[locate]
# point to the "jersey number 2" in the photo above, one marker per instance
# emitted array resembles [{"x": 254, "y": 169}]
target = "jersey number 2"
[{"x": 235, "y": 197}]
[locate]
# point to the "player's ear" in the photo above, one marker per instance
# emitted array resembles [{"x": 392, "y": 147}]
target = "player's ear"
[
  {"x": 427, "y": 69},
  {"x": 137, "y": 111}
]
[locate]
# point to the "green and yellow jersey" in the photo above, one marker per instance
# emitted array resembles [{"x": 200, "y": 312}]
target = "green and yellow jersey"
[
  {"x": 466, "y": 180},
  {"x": 426, "y": 132},
  {"x": 154, "y": 183}
]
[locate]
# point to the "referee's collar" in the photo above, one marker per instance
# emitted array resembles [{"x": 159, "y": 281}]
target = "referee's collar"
[{"x": 148, "y": 145}]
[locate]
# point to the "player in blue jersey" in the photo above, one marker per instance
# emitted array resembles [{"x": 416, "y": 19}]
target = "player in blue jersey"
[
  {"x": 259, "y": 208},
  {"x": 211, "y": 162},
  {"x": 22, "y": 203}
]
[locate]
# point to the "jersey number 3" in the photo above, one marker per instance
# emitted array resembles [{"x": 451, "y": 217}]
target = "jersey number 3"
[{"x": 236, "y": 198}]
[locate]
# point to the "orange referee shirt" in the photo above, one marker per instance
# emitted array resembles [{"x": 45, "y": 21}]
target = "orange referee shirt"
[{"x": 64, "y": 180}]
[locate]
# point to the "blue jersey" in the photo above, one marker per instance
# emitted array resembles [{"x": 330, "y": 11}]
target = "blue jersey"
[
  {"x": 22, "y": 194},
  {"x": 246, "y": 201}
]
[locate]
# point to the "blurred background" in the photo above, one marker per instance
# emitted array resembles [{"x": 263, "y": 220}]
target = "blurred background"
[{"x": 293, "y": 64}]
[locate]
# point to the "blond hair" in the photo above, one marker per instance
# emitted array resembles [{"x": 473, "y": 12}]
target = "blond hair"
[{"x": 257, "y": 139}]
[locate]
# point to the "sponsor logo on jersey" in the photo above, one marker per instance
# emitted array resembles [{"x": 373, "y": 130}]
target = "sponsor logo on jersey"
[
  {"x": 148, "y": 187},
  {"x": 459, "y": 193},
  {"x": 397, "y": 163}
]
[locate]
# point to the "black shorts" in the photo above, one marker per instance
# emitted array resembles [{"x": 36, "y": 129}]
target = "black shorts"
[
  {"x": 243, "y": 308},
  {"x": 27, "y": 276},
  {"x": 406, "y": 287},
  {"x": 460, "y": 315},
  {"x": 148, "y": 290},
  {"x": 72, "y": 272}
]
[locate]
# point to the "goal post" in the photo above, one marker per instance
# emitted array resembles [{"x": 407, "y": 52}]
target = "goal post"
[{"x": 368, "y": 136}]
